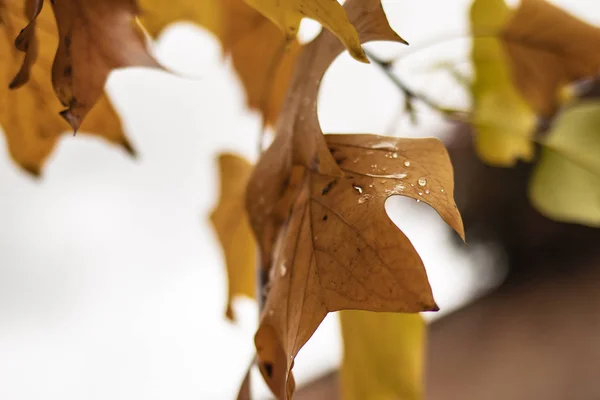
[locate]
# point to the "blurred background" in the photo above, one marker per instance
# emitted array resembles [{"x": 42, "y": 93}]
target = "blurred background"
[{"x": 112, "y": 283}]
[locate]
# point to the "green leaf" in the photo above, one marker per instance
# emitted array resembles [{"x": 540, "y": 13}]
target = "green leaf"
[{"x": 566, "y": 183}]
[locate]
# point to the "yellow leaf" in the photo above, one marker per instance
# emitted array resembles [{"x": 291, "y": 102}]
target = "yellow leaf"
[
  {"x": 262, "y": 57},
  {"x": 503, "y": 121},
  {"x": 231, "y": 225},
  {"x": 565, "y": 185},
  {"x": 383, "y": 356},
  {"x": 287, "y": 14},
  {"x": 29, "y": 114},
  {"x": 157, "y": 14},
  {"x": 323, "y": 233}
]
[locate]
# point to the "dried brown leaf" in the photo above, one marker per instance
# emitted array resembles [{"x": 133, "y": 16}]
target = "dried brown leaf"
[
  {"x": 316, "y": 205},
  {"x": 29, "y": 114}
]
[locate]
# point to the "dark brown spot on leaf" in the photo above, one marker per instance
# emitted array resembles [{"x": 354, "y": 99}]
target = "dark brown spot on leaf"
[
  {"x": 328, "y": 187},
  {"x": 269, "y": 369}
]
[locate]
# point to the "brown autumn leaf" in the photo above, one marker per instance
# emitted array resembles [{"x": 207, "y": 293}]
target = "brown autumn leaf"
[
  {"x": 316, "y": 205},
  {"x": 29, "y": 114},
  {"x": 262, "y": 57},
  {"x": 547, "y": 49},
  {"x": 231, "y": 224},
  {"x": 95, "y": 37}
]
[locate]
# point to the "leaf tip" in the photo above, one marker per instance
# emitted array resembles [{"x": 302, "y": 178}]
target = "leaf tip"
[
  {"x": 128, "y": 147},
  {"x": 358, "y": 54},
  {"x": 33, "y": 170},
  {"x": 229, "y": 313},
  {"x": 72, "y": 119},
  {"x": 18, "y": 81}
]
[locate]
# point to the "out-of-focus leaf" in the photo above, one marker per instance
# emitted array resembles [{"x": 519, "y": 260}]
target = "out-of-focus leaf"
[
  {"x": 566, "y": 183},
  {"x": 29, "y": 112},
  {"x": 262, "y": 56},
  {"x": 383, "y": 355},
  {"x": 231, "y": 224},
  {"x": 503, "y": 121},
  {"x": 547, "y": 49}
]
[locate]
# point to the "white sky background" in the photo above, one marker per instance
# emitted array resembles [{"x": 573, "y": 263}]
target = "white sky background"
[{"x": 112, "y": 285}]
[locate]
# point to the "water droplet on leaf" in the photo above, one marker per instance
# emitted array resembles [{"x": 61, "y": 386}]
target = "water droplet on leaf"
[
  {"x": 283, "y": 269},
  {"x": 407, "y": 163},
  {"x": 422, "y": 181},
  {"x": 357, "y": 188},
  {"x": 363, "y": 198}
]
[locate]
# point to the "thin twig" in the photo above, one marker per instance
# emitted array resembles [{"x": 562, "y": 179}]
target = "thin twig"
[{"x": 411, "y": 95}]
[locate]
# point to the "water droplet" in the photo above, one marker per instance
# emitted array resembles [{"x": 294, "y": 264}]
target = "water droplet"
[
  {"x": 395, "y": 155},
  {"x": 420, "y": 193},
  {"x": 363, "y": 198},
  {"x": 357, "y": 188},
  {"x": 373, "y": 166},
  {"x": 283, "y": 269},
  {"x": 442, "y": 190},
  {"x": 371, "y": 185},
  {"x": 422, "y": 181},
  {"x": 412, "y": 184},
  {"x": 385, "y": 145},
  {"x": 355, "y": 161},
  {"x": 407, "y": 163},
  {"x": 399, "y": 188},
  {"x": 418, "y": 200},
  {"x": 427, "y": 191},
  {"x": 383, "y": 181}
]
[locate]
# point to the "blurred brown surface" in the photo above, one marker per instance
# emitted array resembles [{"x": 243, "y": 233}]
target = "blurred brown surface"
[{"x": 536, "y": 342}]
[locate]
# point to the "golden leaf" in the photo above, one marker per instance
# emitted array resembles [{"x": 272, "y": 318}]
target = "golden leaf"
[
  {"x": 383, "y": 356},
  {"x": 316, "y": 205},
  {"x": 29, "y": 114},
  {"x": 287, "y": 14},
  {"x": 230, "y": 222}
]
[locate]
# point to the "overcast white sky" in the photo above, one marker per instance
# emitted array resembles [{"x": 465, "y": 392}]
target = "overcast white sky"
[{"x": 111, "y": 282}]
